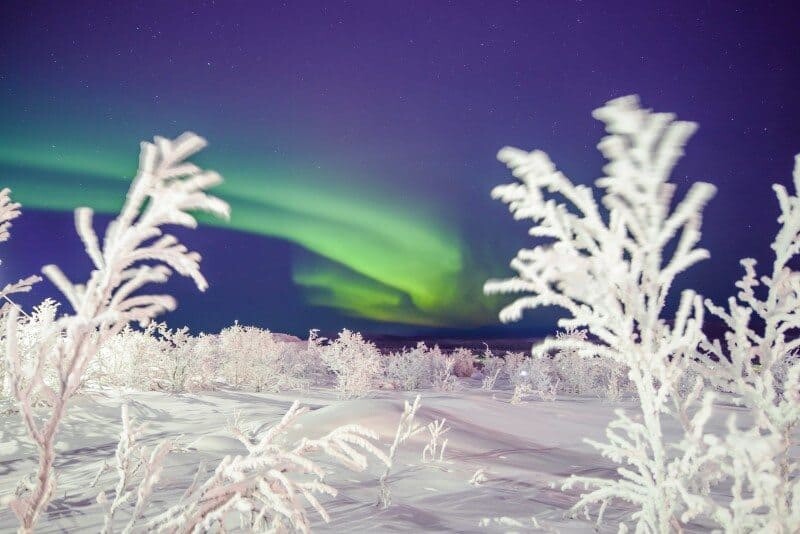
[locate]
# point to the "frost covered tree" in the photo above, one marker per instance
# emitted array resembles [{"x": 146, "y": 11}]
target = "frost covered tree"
[
  {"x": 134, "y": 252},
  {"x": 355, "y": 362},
  {"x": 759, "y": 364},
  {"x": 612, "y": 275}
]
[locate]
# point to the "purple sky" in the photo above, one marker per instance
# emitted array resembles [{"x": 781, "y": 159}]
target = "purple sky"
[{"x": 407, "y": 102}]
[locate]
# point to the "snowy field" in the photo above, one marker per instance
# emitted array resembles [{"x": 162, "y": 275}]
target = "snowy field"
[{"x": 526, "y": 450}]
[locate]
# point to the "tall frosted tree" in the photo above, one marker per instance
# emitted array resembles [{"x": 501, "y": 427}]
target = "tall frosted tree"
[{"x": 612, "y": 274}]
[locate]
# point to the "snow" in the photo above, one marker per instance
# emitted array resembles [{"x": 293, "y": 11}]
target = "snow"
[{"x": 526, "y": 450}]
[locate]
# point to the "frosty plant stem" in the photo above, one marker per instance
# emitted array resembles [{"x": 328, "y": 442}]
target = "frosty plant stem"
[
  {"x": 613, "y": 279},
  {"x": 164, "y": 191},
  {"x": 406, "y": 428}
]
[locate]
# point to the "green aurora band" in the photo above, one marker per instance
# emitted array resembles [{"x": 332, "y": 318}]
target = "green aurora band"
[{"x": 366, "y": 255}]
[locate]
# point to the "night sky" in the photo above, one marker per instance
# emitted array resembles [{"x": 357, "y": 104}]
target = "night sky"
[{"x": 358, "y": 139}]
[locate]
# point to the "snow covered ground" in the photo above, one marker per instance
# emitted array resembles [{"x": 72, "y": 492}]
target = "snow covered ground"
[{"x": 527, "y": 450}]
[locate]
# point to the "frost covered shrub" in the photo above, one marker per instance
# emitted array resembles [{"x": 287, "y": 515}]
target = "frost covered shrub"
[
  {"x": 491, "y": 367},
  {"x": 127, "y": 359},
  {"x": 596, "y": 375},
  {"x": 406, "y": 429},
  {"x": 183, "y": 365},
  {"x": 530, "y": 376},
  {"x": 253, "y": 358},
  {"x": 132, "y": 461},
  {"x": 154, "y": 358},
  {"x": 442, "y": 368},
  {"x": 758, "y": 363},
  {"x": 612, "y": 277},
  {"x": 464, "y": 362},
  {"x": 32, "y": 333},
  {"x": 423, "y": 367},
  {"x": 355, "y": 362},
  {"x": 513, "y": 362},
  {"x": 266, "y": 489},
  {"x": 408, "y": 369},
  {"x": 578, "y": 376},
  {"x": 134, "y": 253},
  {"x": 158, "y": 358}
]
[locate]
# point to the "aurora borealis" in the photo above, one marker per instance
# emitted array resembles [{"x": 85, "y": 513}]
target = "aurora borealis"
[{"x": 357, "y": 139}]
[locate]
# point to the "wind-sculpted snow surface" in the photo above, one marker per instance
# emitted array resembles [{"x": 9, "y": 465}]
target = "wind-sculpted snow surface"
[{"x": 524, "y": 451}]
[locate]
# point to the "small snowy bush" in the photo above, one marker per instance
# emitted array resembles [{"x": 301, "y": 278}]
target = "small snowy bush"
[
  {"x": 253, "y": 358},
  {"x": 355, "y": 362},
  {"x": 406, "y": 429},
  {"x": 127, "y": 360},
  {"x": 423, "y": 367},
  {"x": 442, "y": 369},
  {"x": 32, "y": 334},
  {"x": 408, "y": 369},
  {"x": 464, "y": 362},
  {"x": 491, "y": 367},
  {"x": 596, "y": 375}
]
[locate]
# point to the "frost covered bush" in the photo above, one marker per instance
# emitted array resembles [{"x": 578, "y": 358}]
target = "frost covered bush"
[
  {"x": 427, "y": 367},
  {"x": 612, "y": 276},
  {"x": 597, "y": 375},
  {"x": 355, "y": 362},
  {"x": 134, "y": 253},
  {"x": 758, "y": 363},
  {"x": 464, "y": 362},
  {"x": 408, "y": 369},
  {"x": 442, "y": 369},
  {"x": 155, "y": 358},
  {"x": 491, "y": 367},
  {"x": 184, "y": 363},
  {"x": 162, "y": 359},
  {"x": 31, "y": 334},
  {"x": 255, "y": 359},
  {"x": 131, "y": 463},
  {"x": 126, "y": 360},
  {"x": 530, "y": 377},
  {"x": 406, "y": 429},
  {"x": 266, "y": 489}
]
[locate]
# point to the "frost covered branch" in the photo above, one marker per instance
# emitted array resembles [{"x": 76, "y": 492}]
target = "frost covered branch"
[
  {"x": 613, "y": 279},
  {"x": 129, "y": 458},
  {"x": 134, "y": 253},
  {"x": 8, "y": 212},
  {"x": 436, "y": 430},
  {"x": 267, "y": 486},
  {"x": 406, "y": 429}
]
